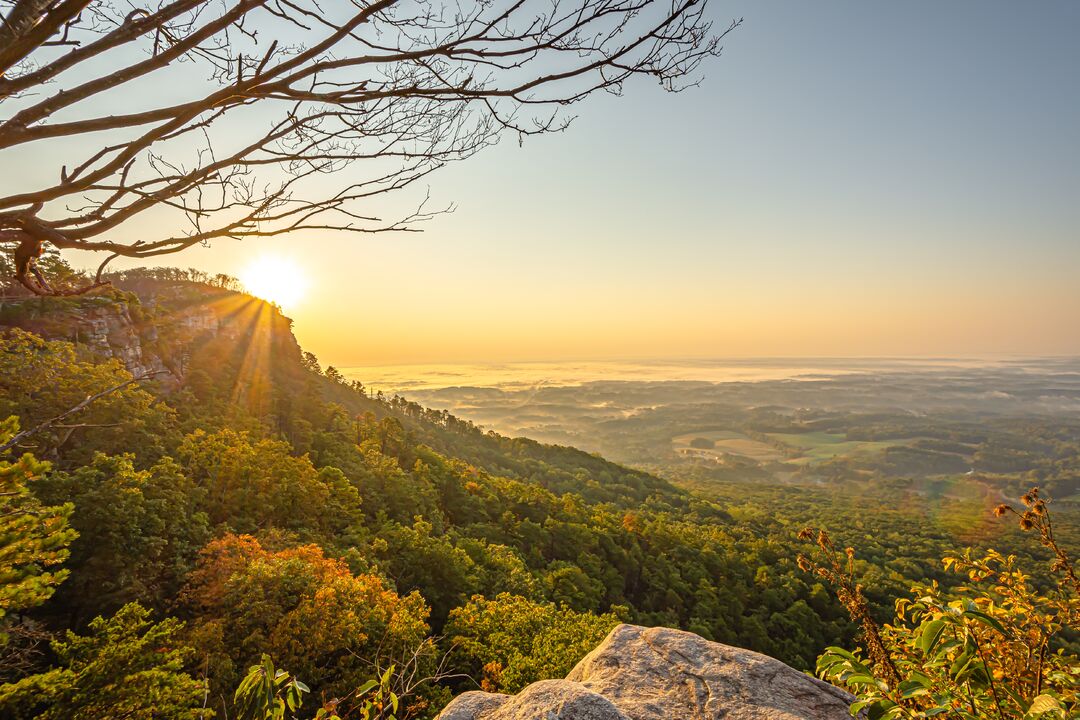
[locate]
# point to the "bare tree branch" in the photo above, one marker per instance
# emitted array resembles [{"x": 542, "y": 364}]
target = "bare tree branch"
[
  {"x": 342, "y": 105},
  {"x": 85, "y": 403}
]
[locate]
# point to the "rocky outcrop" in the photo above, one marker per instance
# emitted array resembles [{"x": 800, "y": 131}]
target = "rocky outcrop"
[
  {"x": 151, "y": 336},
  {"x": 109, "y": 332},
  {"x": 662, "y": 674},
  {"x": 102, "y": 324},
  {"x": 547, "y": 699}
]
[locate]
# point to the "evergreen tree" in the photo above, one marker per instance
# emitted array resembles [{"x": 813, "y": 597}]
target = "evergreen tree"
[{"x": 34, "y": 538}]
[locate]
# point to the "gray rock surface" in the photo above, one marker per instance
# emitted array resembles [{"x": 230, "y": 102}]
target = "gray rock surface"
[
  {"x": 472, "y": 704},
  {"x": 547, "y": 699},
  {"x": 641, "y": 673}
]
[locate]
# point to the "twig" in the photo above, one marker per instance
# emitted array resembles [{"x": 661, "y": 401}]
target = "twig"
[{"x": 44, "y": 425}]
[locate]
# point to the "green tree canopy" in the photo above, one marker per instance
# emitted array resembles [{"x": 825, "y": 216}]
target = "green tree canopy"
[
  {"x": 512, "y": 641},
  {"x": 34, "y": 538},
  {"x": 126, "y": 668}
]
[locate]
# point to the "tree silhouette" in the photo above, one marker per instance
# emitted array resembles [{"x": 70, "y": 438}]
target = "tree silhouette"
[{"x": 183, "y": 121}]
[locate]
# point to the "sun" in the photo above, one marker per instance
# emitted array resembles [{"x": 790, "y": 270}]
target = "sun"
[{"x": 276, "y": 280}]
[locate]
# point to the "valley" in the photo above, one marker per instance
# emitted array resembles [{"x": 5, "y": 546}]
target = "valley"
[
  {"x": 856, "y": 425},
  {"x": 255, "y": 501}
]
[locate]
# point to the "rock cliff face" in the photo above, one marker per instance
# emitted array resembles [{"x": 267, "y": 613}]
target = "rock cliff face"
[
  {"x": 662, "y": 674},
  {"x": 148, "y": 333},
  {"x": 110, "y": 332}
]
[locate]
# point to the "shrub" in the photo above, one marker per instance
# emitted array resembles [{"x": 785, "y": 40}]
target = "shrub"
[{"x": 993, "y": 649}]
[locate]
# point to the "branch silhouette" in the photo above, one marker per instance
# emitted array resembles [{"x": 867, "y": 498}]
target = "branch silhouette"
[{"x": 306, "y": 132}]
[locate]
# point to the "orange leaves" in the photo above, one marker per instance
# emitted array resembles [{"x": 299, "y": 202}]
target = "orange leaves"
[
  {"x": 306, "y": 610},
  {"x": 217, "y": 563},
  {"x": 492, "y": 680}
]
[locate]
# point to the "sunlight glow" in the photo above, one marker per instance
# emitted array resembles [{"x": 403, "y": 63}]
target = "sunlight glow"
[{"x": 276, "y": 280}]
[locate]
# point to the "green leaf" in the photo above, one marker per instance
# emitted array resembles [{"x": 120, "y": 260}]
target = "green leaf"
[
  {"x": 860, "y": 704},
  {"x": 880, "y": 709},
  {"x": 864, "y": 679},
  {"x": 985, "y": 619},
  {"x": 913, "y": 688},
  {"x": 828, "y": 661},
  {"x": 930, "y": 635},
  {"x": 841, "y": 652},
  {"x": 853, "y": 661},
  {"x": 961, "y": 663}
]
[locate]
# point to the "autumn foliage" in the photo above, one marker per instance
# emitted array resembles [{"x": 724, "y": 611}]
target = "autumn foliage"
[{"x": 306, "y": 610}]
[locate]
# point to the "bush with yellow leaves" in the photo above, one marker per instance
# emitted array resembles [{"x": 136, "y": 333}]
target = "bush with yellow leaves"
[{"x": 992, "y": 648}]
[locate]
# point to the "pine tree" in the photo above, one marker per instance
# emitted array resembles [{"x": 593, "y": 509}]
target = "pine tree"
[{"x": 33, "y": 537}]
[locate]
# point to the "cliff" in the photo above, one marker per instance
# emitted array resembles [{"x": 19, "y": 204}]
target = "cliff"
[
  {"x": 150, "y": 328},
  {"x": 641, "y": 673}
]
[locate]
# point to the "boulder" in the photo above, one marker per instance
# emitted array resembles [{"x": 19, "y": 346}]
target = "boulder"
[
  {"x": 547, "y": 699},
  {"x": 641, "y": 673}
]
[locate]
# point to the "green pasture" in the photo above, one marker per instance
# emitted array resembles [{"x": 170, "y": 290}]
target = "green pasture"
[
  {"x": 729, "y": 442},
  {"x": 820, "y": 446}
]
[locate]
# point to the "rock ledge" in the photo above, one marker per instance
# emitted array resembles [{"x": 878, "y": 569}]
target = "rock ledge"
[{"x": 662, "y": 674}]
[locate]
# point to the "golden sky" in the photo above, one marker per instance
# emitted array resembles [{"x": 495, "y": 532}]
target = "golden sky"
[{"x": 850, "y": 180}]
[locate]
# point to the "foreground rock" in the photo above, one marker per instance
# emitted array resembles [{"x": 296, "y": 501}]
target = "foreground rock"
[{"x": 662, "y": 674}]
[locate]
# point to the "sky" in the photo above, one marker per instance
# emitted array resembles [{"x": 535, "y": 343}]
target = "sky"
[{"x": 850, "y": 179}]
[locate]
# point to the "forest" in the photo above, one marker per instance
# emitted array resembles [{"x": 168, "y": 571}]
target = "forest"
[
  {"x": 200, "y": 519},
  {"x": 240, "y": 506}
]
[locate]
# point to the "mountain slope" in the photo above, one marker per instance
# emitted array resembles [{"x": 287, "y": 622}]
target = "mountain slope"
[{"x": 263, "y": 500}]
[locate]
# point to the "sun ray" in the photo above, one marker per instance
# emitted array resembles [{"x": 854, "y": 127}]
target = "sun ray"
[{"x": 252, "y": 385}]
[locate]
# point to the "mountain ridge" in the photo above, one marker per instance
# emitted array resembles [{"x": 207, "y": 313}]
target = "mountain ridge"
[{"x": 269, "y": 505}]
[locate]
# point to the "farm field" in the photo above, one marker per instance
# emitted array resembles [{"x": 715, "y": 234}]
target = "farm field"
[
  {"x": 726, "y": 442},
  {"x": 820, "y": 446},
  {"x": 811, "y": 447}
]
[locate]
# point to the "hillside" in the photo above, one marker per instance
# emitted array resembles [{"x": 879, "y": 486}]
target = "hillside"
[{"x": 249, "y": 501}]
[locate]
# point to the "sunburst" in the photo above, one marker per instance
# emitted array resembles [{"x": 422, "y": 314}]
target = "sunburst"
[{"x": 275, "y": 279}]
